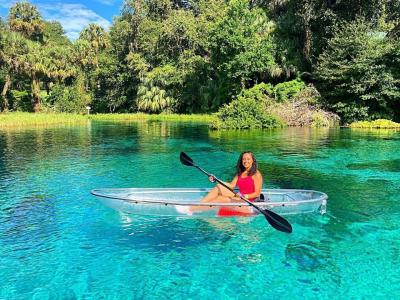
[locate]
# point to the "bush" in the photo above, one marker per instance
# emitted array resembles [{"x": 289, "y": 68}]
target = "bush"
[
  {"x": 20, "y": 101},
  {"x": 380, "y": 123},
  {"x": 286, "y": 90},
  {"x": 258, "y": 92},
  {"x": 68, "y": 99},
  {"x": 351, "y": 112},
  {"x": 244, "y": 113}
]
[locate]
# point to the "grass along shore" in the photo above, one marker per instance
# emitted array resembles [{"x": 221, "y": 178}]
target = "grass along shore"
[
  {"x": 379, "y": 124},
  {"x": 203, "y": 118},
  {"x": 24, "y": 119}
]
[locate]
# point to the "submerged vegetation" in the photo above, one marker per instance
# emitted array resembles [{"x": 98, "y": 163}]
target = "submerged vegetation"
[{"x": 255, "y": 64}]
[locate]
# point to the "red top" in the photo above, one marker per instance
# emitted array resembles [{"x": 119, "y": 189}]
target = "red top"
[{"x": 246, "y": 185}]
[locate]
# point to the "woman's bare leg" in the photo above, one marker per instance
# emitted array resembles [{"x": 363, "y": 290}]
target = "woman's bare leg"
[
  {"x": 221, "y": 194},
  {"x": 218, "y": 194},
  {"x": 218, "y": 190}
]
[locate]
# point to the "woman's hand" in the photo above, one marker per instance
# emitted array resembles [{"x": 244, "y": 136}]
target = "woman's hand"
[{"x": 240, "y": 195}]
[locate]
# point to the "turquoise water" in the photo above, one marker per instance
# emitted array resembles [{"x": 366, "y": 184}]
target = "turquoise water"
[{"x": 58, "y": 242}]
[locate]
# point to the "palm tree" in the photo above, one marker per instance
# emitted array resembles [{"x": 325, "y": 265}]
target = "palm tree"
[
  {"x": 41, "y": 63},
  {"x": 96, "y": 36},
  {"x": 26, "y": 19},
  {"x": 13, "y": 47},
  {"x": 35, "y": 63},
  {"x": 153, "y": 99},
  {"x": 84, "y": 56}
]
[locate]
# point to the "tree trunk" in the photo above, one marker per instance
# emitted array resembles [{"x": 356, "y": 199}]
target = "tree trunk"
[
  {"x": 306, "y": 14},
  {"x": 4, "y": 92},
  {"x": 35, "y": 93},
  {"x": 307, "y": 42}
]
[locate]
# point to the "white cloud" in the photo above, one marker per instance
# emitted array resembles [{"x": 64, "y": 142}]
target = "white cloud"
[
  {"x": 7, "y": 3},
  {"x": 73, "y": 17},
  {"x": 106, "y": 2}
]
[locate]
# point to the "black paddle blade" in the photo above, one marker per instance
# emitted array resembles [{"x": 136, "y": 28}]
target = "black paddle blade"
[
  {"x": 276, "y": 221},
  {"x": 186, "y": 160}
]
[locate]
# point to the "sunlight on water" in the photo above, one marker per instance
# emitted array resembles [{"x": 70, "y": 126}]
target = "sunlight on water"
[{"x": 59, "y": 242}]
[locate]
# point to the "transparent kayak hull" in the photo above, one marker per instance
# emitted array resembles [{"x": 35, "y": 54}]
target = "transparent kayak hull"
[{"x": 168, "y": 202}]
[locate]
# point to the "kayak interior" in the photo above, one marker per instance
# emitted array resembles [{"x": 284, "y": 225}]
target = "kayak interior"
[{"x": 165, "y": 201}]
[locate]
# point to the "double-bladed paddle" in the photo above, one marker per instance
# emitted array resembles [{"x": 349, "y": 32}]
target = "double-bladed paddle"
[{"x": 275, "y": 220}]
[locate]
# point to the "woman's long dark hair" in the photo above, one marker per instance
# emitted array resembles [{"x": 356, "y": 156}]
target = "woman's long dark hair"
[{"x": 240, "y": 168}]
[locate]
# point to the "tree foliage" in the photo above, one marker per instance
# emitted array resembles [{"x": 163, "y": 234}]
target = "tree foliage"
[
  {"x": 358, "y": 63},
  {"x": 198, "y": 55},
  {"x": 25, "y": 18}
]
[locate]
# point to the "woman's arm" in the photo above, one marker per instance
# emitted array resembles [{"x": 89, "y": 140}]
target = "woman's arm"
[{"x": 232, "y": 184}]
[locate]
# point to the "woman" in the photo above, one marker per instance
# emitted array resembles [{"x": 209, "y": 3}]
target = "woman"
[{"x": 249, "y": 181}]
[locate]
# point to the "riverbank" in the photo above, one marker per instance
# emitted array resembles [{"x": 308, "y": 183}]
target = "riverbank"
[{"x": 24, "y": 119}]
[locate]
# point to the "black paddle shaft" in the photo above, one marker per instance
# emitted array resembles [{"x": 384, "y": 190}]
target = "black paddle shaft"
[
  {"x": 229, "y": 188},
  {"x": 275, "y": 220}
]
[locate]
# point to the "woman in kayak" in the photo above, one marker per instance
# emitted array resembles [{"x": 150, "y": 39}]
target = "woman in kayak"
[{"x": 248, "y": 180}]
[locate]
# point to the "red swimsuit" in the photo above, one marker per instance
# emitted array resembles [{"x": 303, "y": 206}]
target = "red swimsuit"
[{"x": 246, "y": 186}]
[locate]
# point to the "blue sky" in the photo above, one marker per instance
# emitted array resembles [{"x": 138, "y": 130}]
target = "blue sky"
[{"x": 74, "y": 15}]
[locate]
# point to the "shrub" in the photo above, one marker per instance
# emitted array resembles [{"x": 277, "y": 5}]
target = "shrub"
[
  {"x": 244, "y": 113},
  {"x": 20, "y": 100},
  {"x": 380, "y": 123},
  {"x": 68, "y": 99},
  {"x": 286, "y": 90},
  {"x": 258, "y": 92},
  {"x": 351, "y": 112}
]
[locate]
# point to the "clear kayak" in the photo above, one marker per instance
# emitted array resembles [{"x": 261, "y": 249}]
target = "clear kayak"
[{"x": 179, "y": 202}]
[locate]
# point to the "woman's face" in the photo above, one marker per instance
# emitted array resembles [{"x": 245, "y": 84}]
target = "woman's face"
[{"x": 247, "y": 161}]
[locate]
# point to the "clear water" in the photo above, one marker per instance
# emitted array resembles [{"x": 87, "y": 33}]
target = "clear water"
[{"x": 58, "y": 242}]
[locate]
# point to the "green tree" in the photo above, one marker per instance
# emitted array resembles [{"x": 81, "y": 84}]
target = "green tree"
[
  {"x": 155, "y": 93},
  {"x": 41, "y": 64},
  {"x": 242, "y": 50},
  {"x": 54, "y": 34},
  {"x": 178, "y": 33},
  {"x": 84, "y": 56},
  {"x": 96, "y": 36},
  {"x": 13, "y": 47},
  {"x": 116, "y": 85},
  {"x": 355, "y": 76},
  {"x": 25, "y": 18}
]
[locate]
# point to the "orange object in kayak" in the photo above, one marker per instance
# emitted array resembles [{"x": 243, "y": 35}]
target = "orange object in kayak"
[{"x": 230, "y": 212}]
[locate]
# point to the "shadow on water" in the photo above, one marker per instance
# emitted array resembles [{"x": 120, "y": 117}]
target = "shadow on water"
[
  {"x": 307, "y": 256},
  {"x": 164, "y": 234}
]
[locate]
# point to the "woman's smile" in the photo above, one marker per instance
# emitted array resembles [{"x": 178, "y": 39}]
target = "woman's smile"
[{"x": 247, "y": 161}]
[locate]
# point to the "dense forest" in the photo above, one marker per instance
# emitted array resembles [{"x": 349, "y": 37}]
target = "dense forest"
[{"x": 341, "y": 57}]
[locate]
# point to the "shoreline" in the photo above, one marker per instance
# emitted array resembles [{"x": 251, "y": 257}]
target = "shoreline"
[
  {"x": 28, "y": 119},
  {"x": 25, "y": 119}
]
